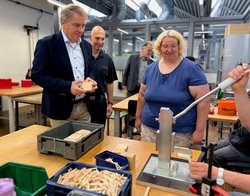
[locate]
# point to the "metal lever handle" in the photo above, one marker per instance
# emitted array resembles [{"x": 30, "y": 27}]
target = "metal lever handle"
[
  {"x": 226, "y": 83},
  {"x": 222, "y": 85}
]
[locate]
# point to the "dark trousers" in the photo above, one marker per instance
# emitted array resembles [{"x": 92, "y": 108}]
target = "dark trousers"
[
  {"x": 136, "y": 90},
  {"x": 98, "y": 110}
]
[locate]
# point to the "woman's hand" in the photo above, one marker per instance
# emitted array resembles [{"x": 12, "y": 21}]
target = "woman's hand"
[
  {"x": 138, "y": 124},
  {"x": 197, "y": 137}
]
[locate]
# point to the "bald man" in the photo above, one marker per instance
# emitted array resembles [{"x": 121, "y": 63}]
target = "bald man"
[{"x": 104, "y": 73}]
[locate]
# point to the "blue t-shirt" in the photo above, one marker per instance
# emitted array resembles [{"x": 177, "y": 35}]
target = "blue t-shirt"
[{"x": 171, "y": 91}]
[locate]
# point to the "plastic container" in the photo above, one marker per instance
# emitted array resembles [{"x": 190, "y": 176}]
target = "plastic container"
[
  {"x": 52, "y": 141},
  {"x": 26, "y": 83},
  {"x": 15, "y": 83},
  {"x": 121, "y": 160},
  {"x": 7, "y": 187},
  {"x": 5, "y": 83},
  {"x": 53, "y": 188},
  {"x": 227, "y": 107},
  {"x": 28, "y": 179}
]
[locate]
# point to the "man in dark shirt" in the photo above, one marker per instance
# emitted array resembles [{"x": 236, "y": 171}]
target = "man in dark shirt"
[{"x": 104, "y": 73}]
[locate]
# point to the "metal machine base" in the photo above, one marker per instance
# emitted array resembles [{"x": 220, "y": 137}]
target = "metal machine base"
[{"x": 177, "y": 179}]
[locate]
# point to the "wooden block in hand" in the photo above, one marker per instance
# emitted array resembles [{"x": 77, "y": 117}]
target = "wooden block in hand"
[{"x": 87, "y": 86}]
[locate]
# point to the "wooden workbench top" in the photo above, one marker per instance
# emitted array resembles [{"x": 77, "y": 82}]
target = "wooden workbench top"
[
  {"x": 123, "y": 105},
  {"x": 21, "y": 146},
  {"x": 20, "y": 91}
]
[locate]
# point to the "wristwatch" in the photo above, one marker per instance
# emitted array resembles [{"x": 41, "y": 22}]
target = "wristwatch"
[{"x": 219, "y": 179}]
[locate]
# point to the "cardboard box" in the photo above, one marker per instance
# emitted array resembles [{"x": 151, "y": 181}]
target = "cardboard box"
[
  {"x": 237, "y": 29},
  {"x": 227, "y": 107}
]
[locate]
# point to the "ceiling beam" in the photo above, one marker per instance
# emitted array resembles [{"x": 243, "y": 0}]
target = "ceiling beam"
[
  {"x": 226, "y": 8},
  {"x": 184, "y": 12}
]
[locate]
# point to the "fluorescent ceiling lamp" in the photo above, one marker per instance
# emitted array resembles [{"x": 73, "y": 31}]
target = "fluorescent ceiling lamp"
[
  {"x": 203, "y": 32},
  {"x": 162, "y": 29},
  {"x": 57, "y": 3},
  {"x": 116, "y": 40},
  {"x": 122, "y": 31},
  {"x": 202, "y": 27},
  {"x": 130, "y": 44},
  {"x": 140, "y": 39},
  {"x": 201, "y": 2},
  {"x": 155, "y": 7},
  {"x": 132, "y": 4},
  {"x": 203, "y": 36},
  {"x": 89, "y": 10},
  {"x": 185, "y": 34}
]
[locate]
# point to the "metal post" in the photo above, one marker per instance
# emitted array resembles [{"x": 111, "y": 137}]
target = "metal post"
[{"x": 164, "y": 145}]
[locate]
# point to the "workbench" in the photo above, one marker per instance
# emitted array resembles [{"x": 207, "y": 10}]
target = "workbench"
[
  {"x": 16, "y": 92},
  {"x": 21, "y": 146},
  {"x": 119, "y": 107},
  {"x": 34, "y": 99}
]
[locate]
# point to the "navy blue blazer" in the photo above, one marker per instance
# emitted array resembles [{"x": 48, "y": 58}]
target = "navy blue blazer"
[{"x": 52, "y": 70}]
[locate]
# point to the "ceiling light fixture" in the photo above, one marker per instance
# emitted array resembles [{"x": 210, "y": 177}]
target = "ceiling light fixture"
[
  {"x": 163, "y": 29},
  {"x": 57, "y": 3},
  {"x": 116, "y": 40},
  {"x": 202, "y": 32},
  {"x": 202, "y": 27},
  {"x": 140, "y": 39},
  {"x": 122, "y": 31},
  {"x": 201, "y": 2},
  {"x": 130, "y": 44}
]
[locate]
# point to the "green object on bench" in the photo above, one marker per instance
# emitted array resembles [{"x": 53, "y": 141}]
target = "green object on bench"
[{"x": 28, "y": 179}]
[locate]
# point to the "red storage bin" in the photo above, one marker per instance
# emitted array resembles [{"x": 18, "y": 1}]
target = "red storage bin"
[
  {"x": 26, "y": 83},
  {"x": 15, "y": 83},
  {"x": 5, "y": 83}
]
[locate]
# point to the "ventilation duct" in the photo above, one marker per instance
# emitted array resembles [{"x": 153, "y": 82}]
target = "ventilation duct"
[
  {"x": 144, "y": 11},
  {"x": 118, "y": 11},
  {"x": 117, "y": 15},
  {"x": 167, "y": 9}
]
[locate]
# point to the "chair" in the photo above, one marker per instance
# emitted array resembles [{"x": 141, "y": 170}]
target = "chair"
[
  {"x": 132, "y": 105},
  {"x": 122, "y": 114}
]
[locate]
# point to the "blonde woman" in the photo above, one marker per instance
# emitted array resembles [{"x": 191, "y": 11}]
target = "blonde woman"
[{"x": 174, "y": 82}]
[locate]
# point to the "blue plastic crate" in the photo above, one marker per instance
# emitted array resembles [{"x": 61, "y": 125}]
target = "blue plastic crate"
[
  {"x": 53, "y": 188},
  {"x": 121, "y": 160}
]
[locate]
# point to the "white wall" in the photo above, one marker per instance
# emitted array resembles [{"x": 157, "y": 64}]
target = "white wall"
[{"x": 14, "y": 41}]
